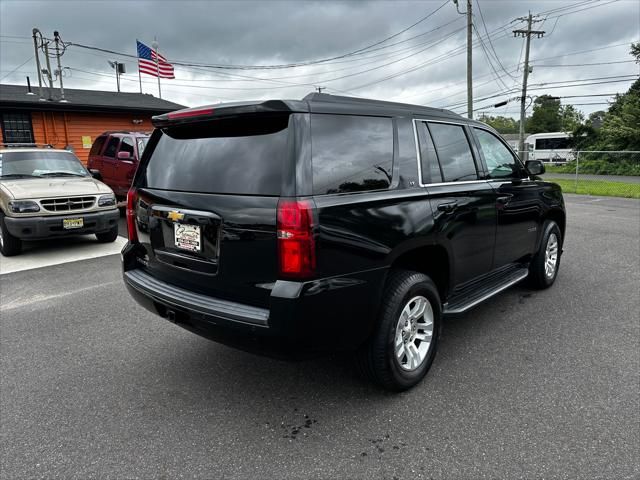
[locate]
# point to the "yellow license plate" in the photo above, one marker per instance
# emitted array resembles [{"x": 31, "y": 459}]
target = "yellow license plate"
[{"x": 71, "y": 223}]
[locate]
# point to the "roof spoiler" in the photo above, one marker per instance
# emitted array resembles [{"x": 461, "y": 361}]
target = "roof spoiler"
[{"x": 210, "y": 112}]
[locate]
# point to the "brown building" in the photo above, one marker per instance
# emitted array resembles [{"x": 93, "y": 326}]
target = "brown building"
[{"x": 76, "y": 122}]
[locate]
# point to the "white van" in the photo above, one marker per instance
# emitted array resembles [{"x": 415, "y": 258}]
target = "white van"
[{"x": 552, "y": 147}]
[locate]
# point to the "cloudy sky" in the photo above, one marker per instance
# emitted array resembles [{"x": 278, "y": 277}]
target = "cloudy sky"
[{"x": 584, "y": 51}]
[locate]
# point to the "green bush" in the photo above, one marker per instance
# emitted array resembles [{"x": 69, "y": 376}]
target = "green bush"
[{"x": 599, "y": 167}]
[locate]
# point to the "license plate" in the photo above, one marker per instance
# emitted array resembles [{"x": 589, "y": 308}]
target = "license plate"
[
  {"x": 187, "y": 237},
  {"x": 71, "y": 223}
]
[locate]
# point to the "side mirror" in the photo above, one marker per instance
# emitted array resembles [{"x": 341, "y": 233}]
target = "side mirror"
[
  {"x": 124, "y": 156},
  {"x": 95, "y": 174},
  {"x": 534, "y": 167}
]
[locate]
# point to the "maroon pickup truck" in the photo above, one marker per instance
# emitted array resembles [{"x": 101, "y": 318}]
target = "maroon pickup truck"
[{"x": 116, "y": 156}]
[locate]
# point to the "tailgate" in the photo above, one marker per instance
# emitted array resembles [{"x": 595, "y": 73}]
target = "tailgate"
[
  {"x": 207, "y": 195},
  {"x": 218, "y": 245}
]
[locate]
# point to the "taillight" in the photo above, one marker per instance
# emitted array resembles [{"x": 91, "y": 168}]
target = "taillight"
[
  {"x": 132, "y": 196},
  {"x": 198, "y": 112},
  {"x": 296, "y": 247}
]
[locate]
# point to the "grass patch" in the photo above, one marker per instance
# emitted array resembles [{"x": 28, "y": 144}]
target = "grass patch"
[
  {"x": 597, "y": 187},
  {"x": 620, "y": 166}
]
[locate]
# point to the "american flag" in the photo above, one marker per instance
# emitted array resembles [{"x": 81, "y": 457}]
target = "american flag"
[{"x": 147, "y": 62}]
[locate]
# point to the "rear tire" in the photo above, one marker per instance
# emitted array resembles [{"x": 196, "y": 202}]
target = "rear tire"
[
  {"x": 544, "y": 267},
  {"x": 108, "y": 236},
  {"x": 403, "y": 346},
  {"x": 9, "y": 245}
]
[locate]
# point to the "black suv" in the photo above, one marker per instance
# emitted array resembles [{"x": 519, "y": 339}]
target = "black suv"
[{"x": 334, "y": 223}]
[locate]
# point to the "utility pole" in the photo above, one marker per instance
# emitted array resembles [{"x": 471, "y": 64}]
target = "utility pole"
[
  {"x": 35, "y": 33},
  {"x": 469, "y": 14},
  {"x": 56, "y": 38},
  {"x": 525, "y": 76},
  {"x": 120, "y": 69},
  {"x": 46, "y": 54}
]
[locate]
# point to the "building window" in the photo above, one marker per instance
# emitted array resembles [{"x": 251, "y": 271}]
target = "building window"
[{"x": 17, "y": 128}]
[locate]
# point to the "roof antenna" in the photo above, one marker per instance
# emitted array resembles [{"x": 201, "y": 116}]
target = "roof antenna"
[
  {"x": 319, "y": 89},
  {"x": 29, "y": 92}
]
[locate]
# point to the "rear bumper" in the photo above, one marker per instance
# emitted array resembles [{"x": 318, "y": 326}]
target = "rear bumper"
[
  {"x": 302, "y": 318},
  {"x": 171, "y": 295},
  {"x": 31, "y": 228}
]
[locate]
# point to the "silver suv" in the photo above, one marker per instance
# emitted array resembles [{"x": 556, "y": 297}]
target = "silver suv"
[{"x": 46, "y": 193}]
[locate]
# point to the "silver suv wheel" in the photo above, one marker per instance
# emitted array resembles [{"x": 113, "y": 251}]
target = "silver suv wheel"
[
  {"x": 551, "y": 256},
  {"x": 414, "y": 332}
]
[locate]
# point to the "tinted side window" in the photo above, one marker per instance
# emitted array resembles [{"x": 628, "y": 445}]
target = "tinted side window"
[
  {"x": 499, "y": 159},
  {"x": 428, "y": 159},
  {"x": 454, "y": 153},
  {"x": 552, "y": 143},
  {"x": 127, "y": 146},
  {"x": 112, "y": 147},
  {"x": 351, "y": 153},
  {"x": 97, "y": 146}
]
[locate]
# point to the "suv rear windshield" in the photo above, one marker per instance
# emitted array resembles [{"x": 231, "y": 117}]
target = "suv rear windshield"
[{"x": 243, "y": 155}]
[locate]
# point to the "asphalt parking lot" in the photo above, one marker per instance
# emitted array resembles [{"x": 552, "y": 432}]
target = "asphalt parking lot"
[{"x": 528, "y": 385}]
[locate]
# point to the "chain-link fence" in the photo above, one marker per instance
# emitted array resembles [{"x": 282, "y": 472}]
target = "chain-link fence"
[{"x": 606, "y": 173}]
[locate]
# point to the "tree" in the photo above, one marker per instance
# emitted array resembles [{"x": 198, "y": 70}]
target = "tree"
[
  {"x": 635, "y": 51},
  {"x": 621, "y": 125},
  {"x": 596, "y": 119},
  {"x": 570, "y": 118},
  {"x": 501, "y": 124},
  {"x": 546, "y": 115}
]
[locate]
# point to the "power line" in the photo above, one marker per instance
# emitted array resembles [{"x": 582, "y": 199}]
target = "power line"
[
  {"x": 445, "y": 56},
  {"x": 565, "y": 7},
  {"x": 488, "y": 57},
  {"x": 484, "y": 25},
  {"x": 584, "y": 64},
  {"x": 281, "y": 66},
  {"x": 544, "y": 86},
  {"x": 15, "y": 69},
  {"x": 590, "y": 7}
]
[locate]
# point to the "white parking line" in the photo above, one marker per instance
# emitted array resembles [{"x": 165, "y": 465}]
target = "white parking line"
[
  {"x": 37, "y": 298},
  {"x": 54, "y": 252}
]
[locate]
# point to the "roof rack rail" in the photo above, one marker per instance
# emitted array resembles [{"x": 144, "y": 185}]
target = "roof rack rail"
[{"x": 26, "y": 145}]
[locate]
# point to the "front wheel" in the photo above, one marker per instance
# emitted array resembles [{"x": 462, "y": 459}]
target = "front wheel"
[
  {"x": 403, "y": 346},
  {"x": 544, "y": 267},
  {"x": 108, "y": 236},
  {"x": 9, "y": 245}
]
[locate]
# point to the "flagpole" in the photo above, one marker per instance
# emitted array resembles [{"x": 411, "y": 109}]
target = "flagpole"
[
  {"x": 155, "y": 48},
  {"x": 139, "y": 74}
]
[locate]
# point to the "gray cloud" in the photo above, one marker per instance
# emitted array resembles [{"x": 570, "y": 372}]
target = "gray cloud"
[{"x": 270, "y": 32}]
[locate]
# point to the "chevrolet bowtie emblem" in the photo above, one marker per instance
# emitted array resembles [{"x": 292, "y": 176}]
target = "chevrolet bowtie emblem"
[{"x": 175, "y": 216}]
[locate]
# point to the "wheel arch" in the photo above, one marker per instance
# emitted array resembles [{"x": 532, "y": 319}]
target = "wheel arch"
[
  {"x": 432, "y": 260},
  {"x": 560, "y": 218}
]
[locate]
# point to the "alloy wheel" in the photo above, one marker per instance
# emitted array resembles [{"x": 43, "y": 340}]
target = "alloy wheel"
[
  {"x": 414, "y": 333},
  {"x": 551, "y": 256}
]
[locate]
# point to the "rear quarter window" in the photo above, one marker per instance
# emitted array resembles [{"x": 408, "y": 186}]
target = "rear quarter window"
[
  {"x": 351, "y": 153},
  {"x": 242, "y": 156}
]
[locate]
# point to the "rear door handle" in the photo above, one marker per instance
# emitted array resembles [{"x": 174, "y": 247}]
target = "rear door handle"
[
  {"x": 503, "y": 200},
  {"x": 447, "y": 207}
]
